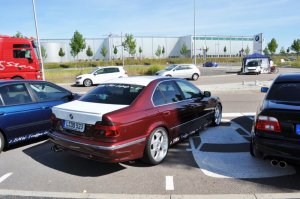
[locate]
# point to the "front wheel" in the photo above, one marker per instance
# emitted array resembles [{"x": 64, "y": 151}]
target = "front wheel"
[
  {"x": 1, "y": 142},
  {"x": 156, "y": 147},
  {"x": 87, "y": 83},
  {"x": 217, "y": 115},
  {"x": 195, "y": 76}
]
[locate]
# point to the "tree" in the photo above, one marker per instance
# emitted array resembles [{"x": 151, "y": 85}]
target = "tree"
[
  {"x": 89, "y": 52},
  {"x": 266, "y": 51},
  {"x": 158, "y": 51},
  {"x": 129, "y": 44},
  {"x": 225, "y": 49},
  {"x": 272, "y": 46},
  {"x": 282, "y": 51},
  {"x": 163, "y": 51},
  {"x": 19, "y": 35},
  {"x": 247, "y": 50},
  {"x": 115, "y": 51},
  {"x": 103, "y": 51},
  {"x": 288, "y": 50},
  {"x": 44, "y": 53},
  {"x": 184, "y": 50},
  {"x": 77, "y": 44},
  {"x": 296, "y": 46},
  {"x": 140, "y": 51},
  {"x": 61, "y": 53}
]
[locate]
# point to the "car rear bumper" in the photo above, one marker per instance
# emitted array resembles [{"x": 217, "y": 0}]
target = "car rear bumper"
[
  {"x": 277, "y": 148},
  {"x": 110, "y": 153}
]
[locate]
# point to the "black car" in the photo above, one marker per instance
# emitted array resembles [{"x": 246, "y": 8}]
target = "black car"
[{"x": 276, "y": 128}]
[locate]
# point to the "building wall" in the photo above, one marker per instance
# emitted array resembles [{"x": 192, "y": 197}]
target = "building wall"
[{"x": 149, "y": 45}]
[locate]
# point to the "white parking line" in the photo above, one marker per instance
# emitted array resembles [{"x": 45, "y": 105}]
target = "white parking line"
[
  {"x": 4, "y": 177},
  {"x": 237, "y": 114},
  {"x": 169, "y": 183}
]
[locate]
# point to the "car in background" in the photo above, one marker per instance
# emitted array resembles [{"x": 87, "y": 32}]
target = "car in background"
[
  {"x": 131, "y": 118},
  {"x": 276, "y": 128},
  {"x": 100, "y": 75},
  {"x": 25, "y": 109},
  {"x": 187, "y": 71},
  {"x": 210, "y": 64}
]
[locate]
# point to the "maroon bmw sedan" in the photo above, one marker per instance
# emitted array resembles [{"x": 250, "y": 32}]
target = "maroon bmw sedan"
[{"x": 131, "y": 118}]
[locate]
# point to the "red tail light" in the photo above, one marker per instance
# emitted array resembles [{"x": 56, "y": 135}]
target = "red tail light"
[
  {"x": 107, "y": 131},
  {"x": 266, "y": 123}
]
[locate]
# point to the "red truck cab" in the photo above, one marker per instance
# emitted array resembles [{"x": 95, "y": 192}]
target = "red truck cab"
[{"x": 19, "y": 58}]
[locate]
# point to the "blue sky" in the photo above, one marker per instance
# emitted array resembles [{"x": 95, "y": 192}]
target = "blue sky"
[{"x": 58, "y": 19}]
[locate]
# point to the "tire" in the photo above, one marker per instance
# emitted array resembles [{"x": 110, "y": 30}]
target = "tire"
[
  {"x": 157, "y": 146},
  {"x": 87, "y": 83},
  {"x": 168, "y": 75},
  {"x": 253, "y": 151},
  {"x": 16, "y": 78},
  {"x": 216, "y": 120},
  {"x": 2, "y": 143},
  {"x": 195, "y": 76}
]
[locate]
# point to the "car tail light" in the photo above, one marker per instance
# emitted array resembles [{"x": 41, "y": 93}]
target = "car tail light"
[
  {"x": 266, "y": 123},
  {"x": 106, "y": 128}
]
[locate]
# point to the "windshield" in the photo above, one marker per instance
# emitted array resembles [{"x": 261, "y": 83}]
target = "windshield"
[
  {"x": 285, "y": 92},
  {"x": 122, "y": 94},
  {"x": 171, "y": 67},
  {"x": 36, "y": 49}
]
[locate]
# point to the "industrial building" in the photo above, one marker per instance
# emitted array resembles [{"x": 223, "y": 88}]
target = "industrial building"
[{"x": 205, "y": 45}]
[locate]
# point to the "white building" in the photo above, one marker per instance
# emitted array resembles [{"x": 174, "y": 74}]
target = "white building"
[{"x": 214, "y": 44}]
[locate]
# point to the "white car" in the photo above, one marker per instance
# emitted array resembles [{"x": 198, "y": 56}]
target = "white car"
[
  {"x": 100, "y": 75},
  {"x": 188, "y": 71}
]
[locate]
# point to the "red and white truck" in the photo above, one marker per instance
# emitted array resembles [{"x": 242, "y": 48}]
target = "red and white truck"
[{"x": 19, "y": 58}]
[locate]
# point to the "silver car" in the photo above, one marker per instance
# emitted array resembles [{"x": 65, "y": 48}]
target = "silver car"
[{"x": 187, "y": 71}]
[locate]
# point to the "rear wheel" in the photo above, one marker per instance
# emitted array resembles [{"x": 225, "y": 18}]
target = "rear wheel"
[
  {"x": 217, "y": 115},
  {"x": 87, "y": 83},
  {"x": 168, "y": 75},
  {"x": 1, "y": 142},
  {"x": 157, "y": 146},
  {"x": 195, "y": 76}
]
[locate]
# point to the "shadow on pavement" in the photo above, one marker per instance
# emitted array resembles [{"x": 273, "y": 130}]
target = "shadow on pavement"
[{"x": 68, "y": 163}]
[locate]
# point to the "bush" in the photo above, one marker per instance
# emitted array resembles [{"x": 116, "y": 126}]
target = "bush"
[{"x": 153, "y": 69}]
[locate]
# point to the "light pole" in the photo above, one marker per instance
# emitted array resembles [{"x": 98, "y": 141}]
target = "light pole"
[
  {"x": 38, "y": 39},
  {"x": 195, "y": 60}
]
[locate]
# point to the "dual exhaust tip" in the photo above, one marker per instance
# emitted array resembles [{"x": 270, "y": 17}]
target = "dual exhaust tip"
[{"x": 281, "y": 163}]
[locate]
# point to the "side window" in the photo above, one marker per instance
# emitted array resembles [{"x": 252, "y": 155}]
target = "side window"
[
  {"x": 189, "y": 91},
  {"x": 158, "y": 98},
  {"x": 15, "y": 94},
  {"x": 21, "y": 54},
  {"x": 48, "y": 92},
  {"x": 170, "y": 91},
  {"x": 100, "y": 71}
]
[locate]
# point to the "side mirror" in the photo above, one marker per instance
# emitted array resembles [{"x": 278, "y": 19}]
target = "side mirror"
[
  {"x": 264, "y": 89},
  {"x": 207, "y": 94}
]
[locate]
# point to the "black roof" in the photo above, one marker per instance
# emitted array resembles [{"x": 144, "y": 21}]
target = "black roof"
[{"x": 290, "y": 77}]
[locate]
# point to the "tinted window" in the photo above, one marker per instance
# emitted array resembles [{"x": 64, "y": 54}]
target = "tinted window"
[
  {"x": 158, "y": 98},
  {"x": 170, "y": 91},
  {"x": 21, "y": 46},
  {"x": 111, "y": 70},
  {"x": 284, "y": 92},
  {"x": 15, "y": 94},
  {"x": 189, "y": 91},
  {"x": 47, "y": 92},
  {"x": 122, "y": 94},
  {"x": 100, "y": 71},
  {"x": 21, "y": 54}
]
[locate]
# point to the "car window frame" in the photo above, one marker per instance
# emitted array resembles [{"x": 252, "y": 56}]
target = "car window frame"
[{"x": 189, "y": 84}]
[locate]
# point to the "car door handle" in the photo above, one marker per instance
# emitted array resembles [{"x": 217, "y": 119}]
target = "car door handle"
[{"x": 167, "y": 113}]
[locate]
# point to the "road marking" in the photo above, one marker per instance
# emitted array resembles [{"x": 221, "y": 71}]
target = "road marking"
[
  {"x": 237, "y": 114},
  {"x": 4, "y": 177},
  {"x": 169, "y": 183}
]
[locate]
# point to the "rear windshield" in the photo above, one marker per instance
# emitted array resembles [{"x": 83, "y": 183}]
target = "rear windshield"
[
  {"x": 285, "y": 92},
  {"x": 123, "y": 94}
]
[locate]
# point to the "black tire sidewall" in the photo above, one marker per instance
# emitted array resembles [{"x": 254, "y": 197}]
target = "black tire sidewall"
[{"x": 2, "y": 143}]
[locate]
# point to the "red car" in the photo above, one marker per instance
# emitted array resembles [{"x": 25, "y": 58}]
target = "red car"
[{"x": 131, "y": 118}]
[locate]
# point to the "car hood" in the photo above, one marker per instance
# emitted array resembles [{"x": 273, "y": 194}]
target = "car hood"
[
  {"x": 161, "y": 71},
  {"x": 288, "y": 105},
  {"x": 84, "y": 112},
  {"x": 85, "y": 76}
]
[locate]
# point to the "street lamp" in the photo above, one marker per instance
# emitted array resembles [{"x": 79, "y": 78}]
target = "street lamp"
[{"x": 38, "y": 39}]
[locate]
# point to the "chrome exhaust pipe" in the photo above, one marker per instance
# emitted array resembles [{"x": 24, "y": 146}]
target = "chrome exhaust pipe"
[
  {"x": 282, "y": 164},
  {"x": 274, "y": 162},
  {"x": 56, "y": 148}
]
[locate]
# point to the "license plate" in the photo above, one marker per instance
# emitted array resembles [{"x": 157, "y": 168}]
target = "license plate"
[
  {"x": 298, "y": 129},
  {"x": 76, "y": 126}
]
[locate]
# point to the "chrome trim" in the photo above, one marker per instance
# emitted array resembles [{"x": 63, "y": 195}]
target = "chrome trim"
[
  {"x": 192, "y": 120},
  {"x": 106, "y": 148}
]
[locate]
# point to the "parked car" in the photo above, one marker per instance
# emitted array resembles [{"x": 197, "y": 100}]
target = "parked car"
[
  {"x": 210, "y": 64},
  {"x": 276, "y": 129},
  {"x": 101, "y": 74},
  {"x": 131, "y": 118},
  {"x": 25, "y": 109},
  {"x": 188, "y": 71}
]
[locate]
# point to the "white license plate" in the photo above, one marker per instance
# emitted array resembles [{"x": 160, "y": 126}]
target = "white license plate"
[{"x": 76, "y": 126}]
